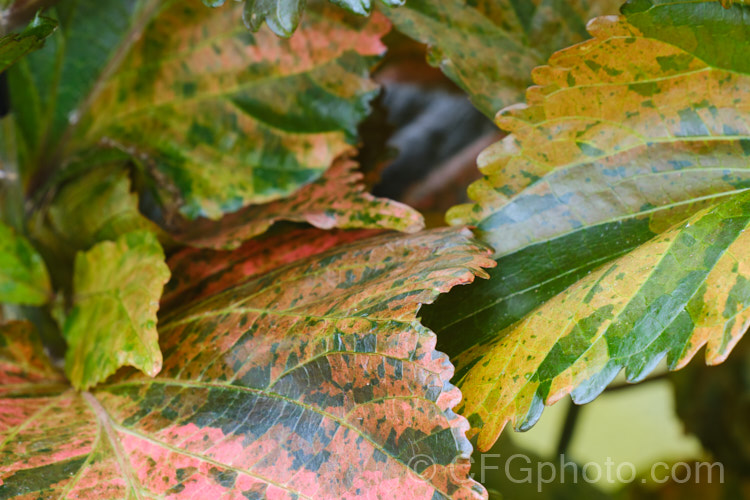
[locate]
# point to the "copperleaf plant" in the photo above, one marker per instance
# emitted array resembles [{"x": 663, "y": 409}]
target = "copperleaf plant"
[
  {"x": 243, "y": 320},
  {"x": 346, "y": 399}
]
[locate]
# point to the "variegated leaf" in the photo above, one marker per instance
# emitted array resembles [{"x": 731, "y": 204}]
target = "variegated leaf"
[
  {"x": 92, "y": 202},
  {"x": 220, "y": 117},
  {"x": 338, "y": 199},
  {"x": 313, "y": 380},
  {"x": 489, "y": 47},
  {"x": 199, "y": 273},
  {"x": 623, "y": 137}
]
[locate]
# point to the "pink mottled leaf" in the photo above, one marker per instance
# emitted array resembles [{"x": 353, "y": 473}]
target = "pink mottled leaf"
[
  {"x": 311, "y": 380},
  {"x": 198, "y": 272}
]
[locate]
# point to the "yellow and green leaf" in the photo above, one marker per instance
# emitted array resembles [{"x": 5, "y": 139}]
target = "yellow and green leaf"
[
  {"x": 116, "y": 290},
  {"x": 623, "y": 138}
]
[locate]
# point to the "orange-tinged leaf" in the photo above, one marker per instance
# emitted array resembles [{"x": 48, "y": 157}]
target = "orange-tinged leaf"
[
  {"x": 337, "y": 199},
  {"x": 199, "y": 273},
  {"x": 313, "y": 380}
]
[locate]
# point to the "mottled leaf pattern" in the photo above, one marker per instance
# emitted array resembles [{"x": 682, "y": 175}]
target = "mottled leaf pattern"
[
  {"x": 23, "y": 276},
  {"x": 623, "y": 137},
  {"x": 233, "y": 118},
  {"x": 282, "y": 16},
  {"x": 22, "y": 361},
  {"x": 687, "y": 288},
  {"x": 338, "y": 199},
  {"x": 220, "y": 117},
  {"x": 199, "y": 273},
  {"x": 116, "y": 286},
  {"x": 314, "y": 380},
  {"x": 16, "y": 45},
  {"x": 489, "y": 47}
]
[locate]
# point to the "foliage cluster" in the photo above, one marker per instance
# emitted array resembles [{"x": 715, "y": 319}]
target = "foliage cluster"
[{"x": 202, "y": 300}]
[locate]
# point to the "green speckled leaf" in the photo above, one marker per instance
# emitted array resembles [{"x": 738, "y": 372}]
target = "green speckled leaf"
[
  {"x": 313, "y": 380},
  {"x": 116, "y": 287},
  {"x": 23, "y": 276},
  {"x": 623, "y": 137},
  {"x": 220, "y": 117},
  {"x": 16, "y": 45},
  {"x": 336, "y": 200},
  {"x": 489, "y": 47},
  {"x": 283, "y": 16}
]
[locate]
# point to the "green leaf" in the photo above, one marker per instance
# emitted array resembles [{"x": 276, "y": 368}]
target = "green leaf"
[
  {"x": 623, "y": 137},
  {"x": 23, "y": 276},
  {"x": 116, "y": 288},
  {"x": 314, "y": 379},
  {"x": 16, "y": 45},
  {"x": 338, "y": 199},
  {"x": 91, "y": 202},
  {"x": 96, "y": 205},
  {"x": 283, "y": 16},
  {"x": 220, "y": 117},
  {"x": 53, "y": 87},
  {"x": 489, "y": 47}
]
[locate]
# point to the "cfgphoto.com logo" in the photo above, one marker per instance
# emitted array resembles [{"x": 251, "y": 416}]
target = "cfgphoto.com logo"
[{"x": 520, "y": 468}]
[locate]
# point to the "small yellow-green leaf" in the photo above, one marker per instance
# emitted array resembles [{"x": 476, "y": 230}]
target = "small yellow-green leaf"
[
  {"x": 93, "y": 204},
  {"x": 116, "y": 286},
  {"x": 23, "y": 276},
  {"x": 97, "y": 206}
]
